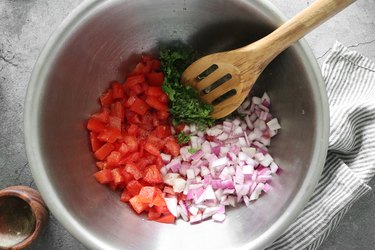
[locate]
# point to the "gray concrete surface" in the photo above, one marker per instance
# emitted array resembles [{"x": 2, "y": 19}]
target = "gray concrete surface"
[{"x": 25, "y": 26}]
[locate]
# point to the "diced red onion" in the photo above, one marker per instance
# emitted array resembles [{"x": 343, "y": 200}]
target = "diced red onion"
[
  {"x": 172, "y": 205},
  {"x": 195, "y": 218},
  {"x": 216, "y": 150},
  {"x": 193, "y": 210},
  {"x": 266, "y": 187},
  {"x": 186, "y": 129},
  {"x": 190, "y": 173},
  {"x": 267, "y": 160},
  {"x": 214, "y": 131},
  {"x": 179, "y": 185},
  {"x": 194, "y": 141},
  {"x": 218, "y": 217},
  {"x": 169, "y": 178},
  {"x": 265, "y": 99},
  {"x": 257, "y": 192},
  {"x": 235, "y": 166},
  {"x": 219, "y": 163},
  {"x": 274, "y": 124},
  {"x": 249, "y": 151},
  {"x": 227, "y": 191},
  {"x": 197, "y": 155},
  {"x": 274, "y": 167},
  {"x": 256, "y": 100},
  {"x": 223, "y": 137},
  {"x": 165, "y": 157},
  {"x": 248, "y": 169}
]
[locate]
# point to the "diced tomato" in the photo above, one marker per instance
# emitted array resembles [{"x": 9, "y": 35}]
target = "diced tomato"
[
  {"x": 156, "y": 104},
  {"x": 109, "y": 135},
  {"x": 172, "y": 147},
  {"x": 117, "y": 90},
  {"x": 103, "y": 176},
  {"x": 159, "y": 162},
  {"x": 154, "y": 91},
  {"x": 95, "y": 125},
  {"x": 129, "y": 102},
  {"x": 168, "y": 190},
  {"x": 142, "y": 67},
  {"x": 133, "y": 130},
  {"x": 131, "y": 158},
  {"x": 132, "y": 81},
  {"x": 106, "y": 98},
  {"x": 147, "y": 194},
  {"x": 146, "y": 160},
  {"x": 139, "y": 106},
  {"x": 124, "y": 149},
  {"x": 103, "y": 151},
  {"x": 138, "y": 206},
  {"x": 134, "y": 187},
  {"x": 145, "y": 58},
  {"x": 136, "y": 90},
  {"x": 95, "y": 143},
  {"x": 155, "y": 78},
  {"x": 117, "y": 177},
  {"x": 152, "y": 149},
  {"x": 156, "y": 64},
  {"x": 167, "y": 218},
  {"x": 163, "y": 131},
  {"x": 143, "y": 134},
  {"x": 156, "y": 122},
  {"x": 102, "y": 116},
  {"x": 144, "y": 87},
  {"x": 153, "y": 214},
  {"x": 162, "y": 115},
  {"x": 114, "y": 122},
  {"x": 125, "y": 195},
  {"x": 180, "y": 127},
  {"x": 117, "y": 109},
  {"x": 127, "y": 136},
  {"x": 127, "y": 176},
  {"x": 163, "y": 98},
  {"x": 159, "y": 202},
  {"x": 113, "y": 159},
  {"x": 132, "y": 117},
  {"x": 157, "y": 142},
  {"x": 131, "y": 142},
  {"x": 162, "y": 209},
  {"x": 152, "y": 175},
  {"x": 101, "y": 165},
  {"x": 146, "y": 121},
  {"x": 132, "y": 169}
]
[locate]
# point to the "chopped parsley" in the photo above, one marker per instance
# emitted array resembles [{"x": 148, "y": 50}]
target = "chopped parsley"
[
  {"x": 183, "y": 138},
  {"x": 184, "y": 105},
  {"x": 192, "y": 150}
]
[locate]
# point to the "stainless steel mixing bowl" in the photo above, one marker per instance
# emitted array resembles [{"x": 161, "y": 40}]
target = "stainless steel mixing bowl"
[{"x": 95, "y": 45}]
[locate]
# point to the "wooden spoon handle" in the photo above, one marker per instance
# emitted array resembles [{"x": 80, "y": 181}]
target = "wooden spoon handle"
[{"x": 298, "y": 26}]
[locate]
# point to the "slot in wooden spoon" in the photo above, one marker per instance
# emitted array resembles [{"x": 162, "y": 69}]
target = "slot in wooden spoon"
[{"x": 235, "y": 72}]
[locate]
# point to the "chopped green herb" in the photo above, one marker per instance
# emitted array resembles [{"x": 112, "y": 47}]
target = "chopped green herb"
[
  {"x": 192, "y": 150},
  {"x": 183, "y": 138},
  {"x": 185, "y": 105}
]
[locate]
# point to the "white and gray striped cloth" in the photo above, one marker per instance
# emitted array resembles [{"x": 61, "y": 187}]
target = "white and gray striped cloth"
[{"x": 350, "y": 164}]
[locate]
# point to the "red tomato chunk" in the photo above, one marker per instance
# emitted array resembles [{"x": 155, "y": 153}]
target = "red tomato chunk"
[{"x": 128, "y": 135}]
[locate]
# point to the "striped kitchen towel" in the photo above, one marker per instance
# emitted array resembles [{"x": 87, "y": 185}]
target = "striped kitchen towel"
[{"x": 350, "y": 164}]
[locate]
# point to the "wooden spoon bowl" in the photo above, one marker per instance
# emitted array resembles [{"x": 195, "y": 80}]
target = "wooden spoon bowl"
[
  {"x": 225, "y": 79},
  {"x": 23, "y": 216}
]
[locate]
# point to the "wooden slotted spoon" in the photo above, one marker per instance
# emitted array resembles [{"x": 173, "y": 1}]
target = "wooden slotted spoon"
[{"x": 233, "y": 73}]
